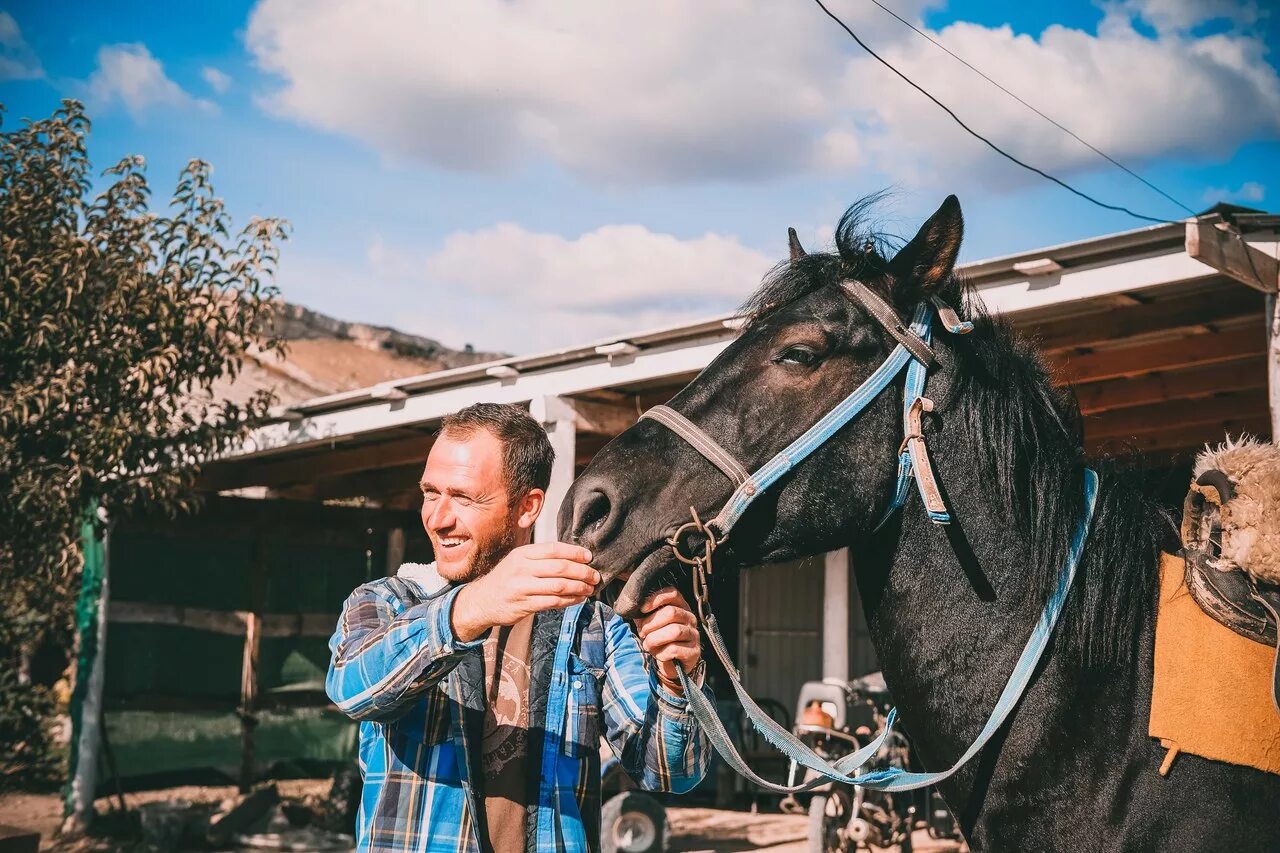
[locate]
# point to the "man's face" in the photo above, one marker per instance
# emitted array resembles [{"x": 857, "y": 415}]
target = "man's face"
[{"x": 465, "y": 507}]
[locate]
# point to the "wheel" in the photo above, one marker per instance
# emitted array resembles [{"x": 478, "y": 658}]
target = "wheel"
[
  {"x": 828, "y": 814},
  {"x": 633, "y": 822}
]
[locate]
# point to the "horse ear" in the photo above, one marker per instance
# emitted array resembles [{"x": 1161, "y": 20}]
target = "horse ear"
[
  {"x": 927, "y": 261},
  {"x": 797, "y": 251}
]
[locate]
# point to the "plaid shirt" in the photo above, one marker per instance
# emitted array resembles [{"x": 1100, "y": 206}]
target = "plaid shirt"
[{"x": 418, "y": 694}]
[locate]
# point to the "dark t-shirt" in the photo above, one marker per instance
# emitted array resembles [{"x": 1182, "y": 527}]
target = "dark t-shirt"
[{"x": 505, "y": 744}]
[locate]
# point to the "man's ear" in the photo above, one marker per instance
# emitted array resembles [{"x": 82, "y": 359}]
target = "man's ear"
[
  {"x": 530, "y": 508},
  {"x": 928, "y": 260}
]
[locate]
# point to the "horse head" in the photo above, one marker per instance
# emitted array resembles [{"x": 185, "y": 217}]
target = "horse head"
[{"x": 805, "y": 344}]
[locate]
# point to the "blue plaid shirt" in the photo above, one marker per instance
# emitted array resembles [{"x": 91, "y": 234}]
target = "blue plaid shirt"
[{"x": 418, "y": 694}]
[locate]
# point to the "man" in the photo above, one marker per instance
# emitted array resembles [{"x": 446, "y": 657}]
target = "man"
[{"x": 481, "y": 704}]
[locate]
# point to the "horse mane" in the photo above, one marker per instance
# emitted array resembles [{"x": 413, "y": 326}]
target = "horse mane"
[{"x": 1025, "y": 436}]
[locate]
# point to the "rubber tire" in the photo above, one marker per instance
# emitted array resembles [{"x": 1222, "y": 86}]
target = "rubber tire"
[
  {"x": 633, "y": 802},
  {"x": 817, "y": 835}
]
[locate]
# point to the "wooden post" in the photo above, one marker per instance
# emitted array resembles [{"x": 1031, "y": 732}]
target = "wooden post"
[
  {"x": 86, "y": 699},
  {"x": 1273, "y": 362},
  {"x": 559, "y": 419},
  {"x": 835, "y": 615},
  {"x": 249, "y": 664},
  {"x": 395, "y": 550}
]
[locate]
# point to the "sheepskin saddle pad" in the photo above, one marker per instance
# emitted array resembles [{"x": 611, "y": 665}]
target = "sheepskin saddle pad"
[{"x": 1231, "y": 538}]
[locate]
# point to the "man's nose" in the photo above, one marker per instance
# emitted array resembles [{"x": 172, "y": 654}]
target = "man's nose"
[{"x": 441, "y": 514}]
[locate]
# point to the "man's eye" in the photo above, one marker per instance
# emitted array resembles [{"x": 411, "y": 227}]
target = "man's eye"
[
  {"x": 804, "y": 356},
  {"x": 430, "y": 496}
]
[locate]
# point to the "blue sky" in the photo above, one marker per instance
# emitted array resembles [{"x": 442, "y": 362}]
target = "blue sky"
[{"x": 532, "y": 174}]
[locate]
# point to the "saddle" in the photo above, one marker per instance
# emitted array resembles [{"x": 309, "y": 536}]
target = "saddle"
[{"x": 1231, "y": 540}]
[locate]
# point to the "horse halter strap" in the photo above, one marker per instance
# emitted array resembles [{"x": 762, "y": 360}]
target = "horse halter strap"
[{"x": 913, "y": 352}]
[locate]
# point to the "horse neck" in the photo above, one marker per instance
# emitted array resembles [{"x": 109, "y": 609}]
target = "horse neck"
[{"x": 949, "y": 608}]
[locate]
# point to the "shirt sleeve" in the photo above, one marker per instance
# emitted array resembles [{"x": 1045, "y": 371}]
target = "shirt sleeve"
[
  {"x": 384, "y": 655},
  {"x": 656, "y": 738}
]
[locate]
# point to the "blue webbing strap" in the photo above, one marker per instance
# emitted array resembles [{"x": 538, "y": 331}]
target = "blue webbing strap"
[
  {"x": 830, "y": 423},
  {"x": 893, "y": 778}
]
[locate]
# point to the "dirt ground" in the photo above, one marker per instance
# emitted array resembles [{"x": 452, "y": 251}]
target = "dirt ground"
[{"x": 692, "y": 829}]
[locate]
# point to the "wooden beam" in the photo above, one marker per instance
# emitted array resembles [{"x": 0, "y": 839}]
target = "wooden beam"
[
  {"x": 1180, "y": 437},
  {"x": 1273, "y": 361},
  {"x": 248, "y": 709},
  {"x": 1141, "y": 420},
  {"x": 601, "y": 418},
  {"x": 324, "y": 464},
  {"x": 230, "y": 622},
  {"x": 1205, "y": 381},
  {"x": 1166, "y": 355},
  {"x": 1203, "y": 311},
  {"x": 1215, "y": 243}
]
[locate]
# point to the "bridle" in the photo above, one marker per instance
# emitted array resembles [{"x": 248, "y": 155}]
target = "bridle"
[{"x": 915, "y": 354}]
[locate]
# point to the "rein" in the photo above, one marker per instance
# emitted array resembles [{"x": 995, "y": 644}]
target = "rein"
[{"x": 914, "y": 353}]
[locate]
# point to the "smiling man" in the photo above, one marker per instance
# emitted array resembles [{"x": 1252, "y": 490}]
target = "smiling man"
[{"x": 482, "y": 700}]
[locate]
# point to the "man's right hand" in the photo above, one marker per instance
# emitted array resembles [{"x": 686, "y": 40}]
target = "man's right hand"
[{"x": 542, "y": 576}]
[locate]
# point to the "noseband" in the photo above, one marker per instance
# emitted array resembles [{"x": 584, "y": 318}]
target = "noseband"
[{"x": 914, "y": 353}]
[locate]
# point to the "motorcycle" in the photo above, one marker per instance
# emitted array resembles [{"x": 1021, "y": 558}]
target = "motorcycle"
[{"x": 837, "y": 718}]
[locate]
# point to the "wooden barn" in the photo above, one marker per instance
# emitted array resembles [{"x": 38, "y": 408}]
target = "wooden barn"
[{"x": 214, "y": 627}]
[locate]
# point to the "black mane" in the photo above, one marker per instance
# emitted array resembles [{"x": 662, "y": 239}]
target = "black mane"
[{"x": 1026, "y": 438}]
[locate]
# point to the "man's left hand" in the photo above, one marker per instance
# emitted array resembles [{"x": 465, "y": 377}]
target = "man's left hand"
[{"x": 669, "y": 633}]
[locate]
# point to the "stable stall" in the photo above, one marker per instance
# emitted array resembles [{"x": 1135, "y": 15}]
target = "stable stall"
[{"x": 215, "y": 624}]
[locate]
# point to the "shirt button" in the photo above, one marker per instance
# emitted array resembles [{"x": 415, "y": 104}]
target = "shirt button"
[{"x": 577, "y": 685}]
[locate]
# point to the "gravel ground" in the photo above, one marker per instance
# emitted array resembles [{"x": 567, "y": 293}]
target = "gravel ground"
[{"x": 692, "y": 829}]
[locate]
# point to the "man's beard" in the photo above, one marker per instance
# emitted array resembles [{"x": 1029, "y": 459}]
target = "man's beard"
[{"x": 488, "y": 554}]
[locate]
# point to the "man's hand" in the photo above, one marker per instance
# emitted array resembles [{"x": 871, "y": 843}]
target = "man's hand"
[
  {"x": 542, "y": 576},
  {"x": 669, "y": 633}
]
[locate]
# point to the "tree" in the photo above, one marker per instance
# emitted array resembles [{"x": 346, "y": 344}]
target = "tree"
[{"x": 115, "y": 323}]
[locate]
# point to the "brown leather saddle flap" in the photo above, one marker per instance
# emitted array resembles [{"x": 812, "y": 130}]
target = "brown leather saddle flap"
[{"x": 1212, "y": 688}]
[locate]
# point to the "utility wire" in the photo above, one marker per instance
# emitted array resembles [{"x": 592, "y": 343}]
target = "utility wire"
[
  {"x": 1051, "y": 121},
  {"x": 983, "y": 139}
]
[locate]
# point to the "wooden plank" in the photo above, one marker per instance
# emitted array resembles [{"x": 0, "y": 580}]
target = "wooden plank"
[
  {"x": 1181, "y": 438},
  {"x": 325, "y": 464},
  {"x": 1190, "y": 313},
  {"x": 603, "y": 418},
  {"x": 1141, "y": 420},
  {"x": 1195, "y": 382},
  {"x": 1216, "y": 244},
  {"x": 1273, "y": 360},
  {"x": 1166, "y": 355},
  {"x": 229, "y": 622},
  {"x": 249, "y": 667}
]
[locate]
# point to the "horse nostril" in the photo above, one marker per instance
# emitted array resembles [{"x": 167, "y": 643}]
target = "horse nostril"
[{"x": 591, "y": 514}]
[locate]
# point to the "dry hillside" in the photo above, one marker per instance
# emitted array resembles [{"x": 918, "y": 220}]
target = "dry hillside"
[{"x": 326, "y": 355}]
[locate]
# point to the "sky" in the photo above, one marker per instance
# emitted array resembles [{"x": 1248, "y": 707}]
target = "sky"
[{"x": 522, "y": 175}]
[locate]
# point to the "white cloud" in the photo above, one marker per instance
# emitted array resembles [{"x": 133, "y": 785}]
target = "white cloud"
[
  {"x": 511, "y": 289},
  {"x": 1249, "y": 191},
  {"x": 668, "y": 91},
  {"x": 1181, "y": 15},
  {"x": 17, "y": 60},
  {"x": 662, "y": 90},
  {"x": 218, "y": 81},
  {"x": 1134, "y": 97},
  {"x": 128, "y": 73}
]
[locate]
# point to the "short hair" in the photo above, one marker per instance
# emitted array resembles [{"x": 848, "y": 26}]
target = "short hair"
[{"x": 527, "y": 453}]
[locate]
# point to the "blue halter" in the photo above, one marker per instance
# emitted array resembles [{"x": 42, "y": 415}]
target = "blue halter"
[{"x": 912, "y": 353}]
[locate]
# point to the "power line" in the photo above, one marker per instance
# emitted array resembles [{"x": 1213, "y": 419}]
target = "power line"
[
  {"x": 1031, "y": 107},
  {"x": 983, "y": 139}
]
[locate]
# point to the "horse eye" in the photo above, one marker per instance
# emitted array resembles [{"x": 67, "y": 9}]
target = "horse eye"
[{"x": 800, "y": 354}]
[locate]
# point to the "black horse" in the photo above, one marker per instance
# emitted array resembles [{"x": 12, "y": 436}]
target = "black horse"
[{"x": 949, "y": 607}]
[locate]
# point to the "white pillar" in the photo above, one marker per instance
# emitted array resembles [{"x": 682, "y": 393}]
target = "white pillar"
[
  {"x": 557, "y": 418},
  {"x": 835, "y": 615}
]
